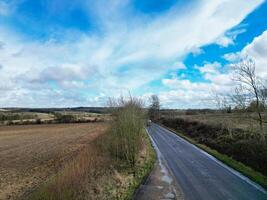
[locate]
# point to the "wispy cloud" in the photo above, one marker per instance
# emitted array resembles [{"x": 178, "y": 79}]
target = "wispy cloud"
[{"x": 126, "y": 51}]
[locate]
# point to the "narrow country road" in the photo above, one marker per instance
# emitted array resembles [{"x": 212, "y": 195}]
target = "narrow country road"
[{"x": 199, "y": 175}]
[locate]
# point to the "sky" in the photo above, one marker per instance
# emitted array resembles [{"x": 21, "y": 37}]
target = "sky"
[{"x": 81, "y": 52}]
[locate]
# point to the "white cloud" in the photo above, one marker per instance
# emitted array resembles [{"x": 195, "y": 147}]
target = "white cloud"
[
  {"x": 178, "y": 65},
  {"x": 231, "y": 57},
  {"x": 229, "y": 37},
  {"x": 257, "y": 50},
  {"x": 210, "y": 68},
  {"x": 185, "y": 93},
  {"x": 127, "y": 55},
  {"x": 188, "y": 94},
  {"x": 224, "y": 41},
  {"x": 196, "y": 51}
]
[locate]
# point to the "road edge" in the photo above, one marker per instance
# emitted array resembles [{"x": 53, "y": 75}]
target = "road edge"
[
  {"x": 159, "y": 154},
  {"x": 203, "y": 148}
]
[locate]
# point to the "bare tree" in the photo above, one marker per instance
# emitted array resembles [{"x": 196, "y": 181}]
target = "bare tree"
[
  {"x": 250, "y": 84},
  {"x": 221, "y": 101},
  {"x": 154, "y": 108},
  {"x": 264, "y": 95},
  {"x": 239, "y": 99}
]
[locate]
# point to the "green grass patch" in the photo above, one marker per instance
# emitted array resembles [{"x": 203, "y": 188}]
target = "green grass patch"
[{"x": 238, "y": 166}]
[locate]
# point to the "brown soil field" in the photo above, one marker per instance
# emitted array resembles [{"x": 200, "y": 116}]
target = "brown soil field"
[{"x": 30, "y": 154}]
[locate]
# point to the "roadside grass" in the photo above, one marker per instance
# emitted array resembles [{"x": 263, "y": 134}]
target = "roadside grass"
[{"x": 238, "y": 166}]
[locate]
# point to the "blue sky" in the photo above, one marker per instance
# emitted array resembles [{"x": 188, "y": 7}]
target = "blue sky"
[{"x": 78, "y": 53}]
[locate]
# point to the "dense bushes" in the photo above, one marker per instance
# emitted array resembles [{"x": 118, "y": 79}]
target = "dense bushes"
[
  {"x": 64, "y": 118},
  {"x": 7, "y": 116},
  {"x": 239, "y": 144},
  {"x": 126, "y": 130},
  {"x": 59, "y": 118}
]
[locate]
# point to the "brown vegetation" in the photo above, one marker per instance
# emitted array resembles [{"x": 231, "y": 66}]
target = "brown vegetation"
[
  {"x": 30, "y": 154},
  {"x": 126, "y": 130}
]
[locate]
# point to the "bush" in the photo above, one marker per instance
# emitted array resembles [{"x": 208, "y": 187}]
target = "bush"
[
  {"x": 38, "y": 121},
  {"x": 126, "y": 130},
  {"x": 60, "y": 118}
]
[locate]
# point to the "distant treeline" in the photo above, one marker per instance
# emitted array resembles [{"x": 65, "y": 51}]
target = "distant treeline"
[
  {"x": 51, "y": 110},
  {"x": 249, "y": 109},
  {"x": 64, "y": 119},
  {"x": 15, "y": 116}
]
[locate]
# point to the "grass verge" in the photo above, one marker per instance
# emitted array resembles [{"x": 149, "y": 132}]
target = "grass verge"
[{"x": 238, "y": 166}]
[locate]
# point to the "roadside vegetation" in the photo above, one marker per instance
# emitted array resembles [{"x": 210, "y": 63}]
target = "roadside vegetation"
[
  {"x": 110, "y": 167},
  {"x": 239, "y": 149},
  {"x": 235, "y": 132}
]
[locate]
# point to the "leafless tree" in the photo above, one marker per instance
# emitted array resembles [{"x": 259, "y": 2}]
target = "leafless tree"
[
  {"x": 239, "y": 99},
  {"x": 154, "y": 108},
  {"x": 264, "y": 95},
  {"x": 249, "y": 84},
  {"x": 221, "y": 101}
]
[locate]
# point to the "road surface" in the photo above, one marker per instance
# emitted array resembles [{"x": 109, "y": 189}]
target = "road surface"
[{"x": 200, "y": 175}]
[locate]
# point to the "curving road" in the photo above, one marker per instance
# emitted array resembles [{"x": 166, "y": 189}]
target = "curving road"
[{"x": 200, "y": 175}]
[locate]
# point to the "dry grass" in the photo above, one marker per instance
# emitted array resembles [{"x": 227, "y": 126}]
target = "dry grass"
[
  {"x": 79, "y": 179},
  {"x": 31, "y": 154},
  {"x": 228, "y": 120}
]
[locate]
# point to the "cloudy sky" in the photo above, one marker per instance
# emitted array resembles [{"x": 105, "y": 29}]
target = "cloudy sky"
[{"x": 78, "y": 53}]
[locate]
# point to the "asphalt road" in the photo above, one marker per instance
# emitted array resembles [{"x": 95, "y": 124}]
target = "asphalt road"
[{"x": 200, "y": 175}]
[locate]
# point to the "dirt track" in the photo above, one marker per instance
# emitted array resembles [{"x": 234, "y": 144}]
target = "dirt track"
[{"x": 30, "y": 154}]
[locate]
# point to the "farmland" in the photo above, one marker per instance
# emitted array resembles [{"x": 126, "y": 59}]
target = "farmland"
[
  {"x": 245, "y": 121},
  {"x": 69, "y": 154},
  {"x": 22, "y": 116},
  {"x": 31, "y": 153}
]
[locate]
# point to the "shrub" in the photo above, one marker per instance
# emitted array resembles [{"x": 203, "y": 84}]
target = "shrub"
[
  {"x": 38, "y": 121},
  {"x": 61, "y": 118},
  {"x": 126, "y": 130}
]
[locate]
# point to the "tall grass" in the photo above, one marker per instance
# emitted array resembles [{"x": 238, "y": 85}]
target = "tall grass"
[
  {"x": 77, "y": 179},
  {"x": 126, "y": 129}
]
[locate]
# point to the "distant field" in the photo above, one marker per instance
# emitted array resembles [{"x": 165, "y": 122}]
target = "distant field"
[
  {"x": 29, "y": 154},
  {"x": 229, "y": 120},
  {"x": 29, "y": 117}
]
